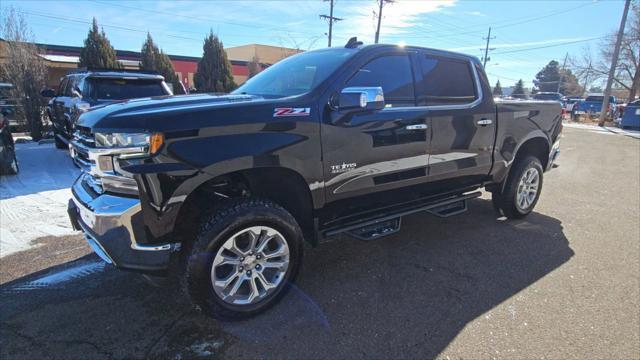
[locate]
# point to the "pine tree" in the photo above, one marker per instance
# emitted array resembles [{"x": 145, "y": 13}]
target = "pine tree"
[
  {"x": 254, "y": 66},
  {"x": 518, "y": 90},
  {"x": 148, "y": 55},
  {"x": 154, "y": 59},
  {"x": 548, "y": 78},
  {"x": 214, "y": 69},
  {"x": 497, "y": 90},
  {"x": 97, "y": 51}
]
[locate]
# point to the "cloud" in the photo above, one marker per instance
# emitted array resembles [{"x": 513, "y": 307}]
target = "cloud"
[
  {"x": 475, "y": 13},
  {"x": 397, "y": 18}
]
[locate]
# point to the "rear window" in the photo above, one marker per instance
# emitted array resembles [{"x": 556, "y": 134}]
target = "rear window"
[
  {"x": 121, "y": 89},
  {"x": 446, "y": 81}
]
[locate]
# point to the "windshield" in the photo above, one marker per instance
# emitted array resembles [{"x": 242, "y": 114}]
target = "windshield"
[
  {"x": 547, "y": 97},
  {"x": 297, "y": 74},
  {"x": 121, "y": 89}
]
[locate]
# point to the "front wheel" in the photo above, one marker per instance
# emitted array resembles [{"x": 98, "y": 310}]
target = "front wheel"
[
  {"x": 59, "y": 143},
  {"x": 522, "y": 189},
  {"x": 245, "y": 257}
]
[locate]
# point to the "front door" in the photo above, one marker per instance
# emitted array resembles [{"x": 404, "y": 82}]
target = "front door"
[{"x": 372, "y": 152}]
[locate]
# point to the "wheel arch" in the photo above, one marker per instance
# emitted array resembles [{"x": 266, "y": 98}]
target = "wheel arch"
[{"x": 284, "y": 186}]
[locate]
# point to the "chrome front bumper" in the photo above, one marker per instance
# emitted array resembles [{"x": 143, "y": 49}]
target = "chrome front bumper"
[{"x": 113, "y": 226}]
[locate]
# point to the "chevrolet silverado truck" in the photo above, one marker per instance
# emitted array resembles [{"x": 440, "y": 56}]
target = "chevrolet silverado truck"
[
  {"x": 84, "y": 89},
  {"x": 337, "y": 141}
]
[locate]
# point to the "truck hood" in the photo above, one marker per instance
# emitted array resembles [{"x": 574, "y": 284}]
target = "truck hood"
[{"x": 123, "y": 114}]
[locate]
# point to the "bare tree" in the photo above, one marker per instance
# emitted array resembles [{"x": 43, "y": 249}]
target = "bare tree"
[
  {"x": 595, "y": 68},
  {"x": 23, "y": 68}
]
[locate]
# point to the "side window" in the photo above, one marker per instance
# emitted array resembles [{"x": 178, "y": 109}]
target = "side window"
[
  {"x": 445, "y": 82},
  {"x": 393, "y": 74}
]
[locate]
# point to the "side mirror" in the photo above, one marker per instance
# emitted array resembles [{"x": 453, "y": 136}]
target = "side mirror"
[
  {"x": 76, "y": 93},
  {"x": 48, "y": 93},
  {"x": 361, "y": 99}
]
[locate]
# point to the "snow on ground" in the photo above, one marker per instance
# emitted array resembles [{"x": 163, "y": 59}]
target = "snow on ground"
[
  {"x": 33, "y": 203},
  {"x": 610, "y": 130}
]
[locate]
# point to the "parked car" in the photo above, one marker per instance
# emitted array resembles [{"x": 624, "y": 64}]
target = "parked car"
[
  {"x": 550, "y": 96},
  {"x": 631, "y": 115},
  {"x": 338, "y": 141},
  {"x": 592, "y": 105},
  {"x": 8, "y": 159},
  {"x": 80, "y": 91}
]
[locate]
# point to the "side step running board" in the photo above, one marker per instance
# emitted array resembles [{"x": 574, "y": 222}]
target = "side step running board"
[{"x": 385, "y": 224}]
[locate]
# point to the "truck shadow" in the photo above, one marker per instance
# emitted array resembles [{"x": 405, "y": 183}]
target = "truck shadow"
[{"x": 406, "y": 295}]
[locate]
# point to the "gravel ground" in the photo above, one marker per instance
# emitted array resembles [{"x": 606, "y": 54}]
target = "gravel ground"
[{"x": 564, "y": 283}]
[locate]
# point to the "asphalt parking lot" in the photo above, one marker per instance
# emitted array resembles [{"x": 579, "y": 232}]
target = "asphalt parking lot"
[{"x": 564, "y": 283}]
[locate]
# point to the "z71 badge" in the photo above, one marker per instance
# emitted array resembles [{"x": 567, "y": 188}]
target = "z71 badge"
[{"x": 278, "y": 112}]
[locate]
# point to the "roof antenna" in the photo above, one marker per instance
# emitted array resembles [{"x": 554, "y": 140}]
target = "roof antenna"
[{"x": 353, "y": 43}]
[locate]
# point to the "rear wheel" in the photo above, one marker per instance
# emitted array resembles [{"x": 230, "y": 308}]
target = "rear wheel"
[
  {"x": 522, "y": 189},
  {"x": 11, "y": 167},
  {"x": 245, "y": 257}
]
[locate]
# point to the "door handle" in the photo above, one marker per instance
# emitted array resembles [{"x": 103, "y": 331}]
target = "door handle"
[
  {"x": 416, "y": 127},
  {"x": 484, "y": 122}
]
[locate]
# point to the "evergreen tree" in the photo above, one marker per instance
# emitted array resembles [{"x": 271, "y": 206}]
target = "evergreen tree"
[
  {"x": 497, "y": 90},
  {"x": 154, "y": 59},
  {"x": 148, "y": 55},
  {"x": 548, "y": 78},
  {"x": 518, "y": 90},
  {"x": 254, "y": 66},
  {"x": 97, "y": 51},
  {"x": 214, "y": 69}
]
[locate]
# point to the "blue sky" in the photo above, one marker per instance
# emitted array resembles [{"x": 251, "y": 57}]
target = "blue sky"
[{"x": 527, "y": 33}]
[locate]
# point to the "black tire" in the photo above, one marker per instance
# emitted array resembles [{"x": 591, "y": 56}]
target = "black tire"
[
  {"x": 218, "y": 227},
  {"x": 506, "y": 200},
  {"x": 10, "y": 168},
  {"x": 59, "y": 143}
]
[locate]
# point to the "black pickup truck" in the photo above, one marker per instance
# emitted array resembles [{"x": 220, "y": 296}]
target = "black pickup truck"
[
  {"x": 84, "y": 89},
  {"x": 226, "y": 188}
]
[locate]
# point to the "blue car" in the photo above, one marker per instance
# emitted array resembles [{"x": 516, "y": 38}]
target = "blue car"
[{"x": 631, "y": 115}]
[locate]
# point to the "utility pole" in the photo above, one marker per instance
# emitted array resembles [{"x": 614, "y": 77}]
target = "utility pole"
[
  {"x": 381, "y": 3},
  {"x": 614, "y": 63},
  {"x": 564, "y": 64},
  {"x": 331, "y": 19},
  {"x": 486, "y": 49}
]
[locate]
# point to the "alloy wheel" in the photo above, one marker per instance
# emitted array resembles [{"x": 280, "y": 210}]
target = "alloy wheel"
[
  {"x": 527, "y": 189},
  {"x": 250, "y": 265}
]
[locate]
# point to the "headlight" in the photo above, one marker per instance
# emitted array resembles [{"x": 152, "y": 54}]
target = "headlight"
[
  {"x": 150, "y": 142},
  {"x": 120, "y": 140}
]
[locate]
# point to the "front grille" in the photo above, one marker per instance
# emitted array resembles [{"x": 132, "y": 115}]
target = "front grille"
[{"x": 84, "y": 136}]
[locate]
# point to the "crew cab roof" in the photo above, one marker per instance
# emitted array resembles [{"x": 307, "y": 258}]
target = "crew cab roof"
[
  {"x": 444, "y": 53},
  {"x": 119, "y": 74}
]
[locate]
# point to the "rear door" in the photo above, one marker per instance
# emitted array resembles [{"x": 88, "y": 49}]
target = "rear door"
[
  {"x": 369, "y": 152},
  {"x": 462, "y": 121}
]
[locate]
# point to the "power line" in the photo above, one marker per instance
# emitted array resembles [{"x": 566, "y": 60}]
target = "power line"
[{"x": 548, "y": 46}]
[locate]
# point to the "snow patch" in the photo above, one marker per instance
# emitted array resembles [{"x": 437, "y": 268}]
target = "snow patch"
[{"x": 33, "y": 204}]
